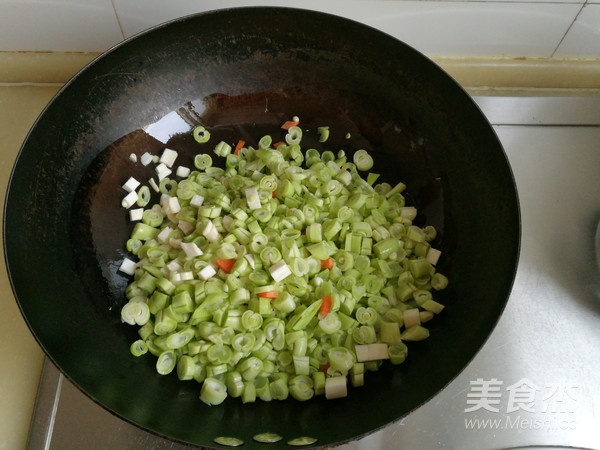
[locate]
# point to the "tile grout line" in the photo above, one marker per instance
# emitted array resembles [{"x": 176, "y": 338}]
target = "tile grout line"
[
  {"x": 112, "y": 2},
  {"x": 9, "y": 84},
  {"x": 568, "y": 29}
]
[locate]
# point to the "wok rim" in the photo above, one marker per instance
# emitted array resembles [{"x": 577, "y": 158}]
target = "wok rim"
[{"x": 173, "y": 22}]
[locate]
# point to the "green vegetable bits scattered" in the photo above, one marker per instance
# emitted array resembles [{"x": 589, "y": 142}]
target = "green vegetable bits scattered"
[{"x": 285, "y": 273}]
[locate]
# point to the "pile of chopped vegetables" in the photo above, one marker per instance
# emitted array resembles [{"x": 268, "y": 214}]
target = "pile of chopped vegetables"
[{"x": 282, "y": 273}]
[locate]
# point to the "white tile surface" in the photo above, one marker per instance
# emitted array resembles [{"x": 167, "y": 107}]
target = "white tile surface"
[
  {"x": 436, "y": 28},
  {"x": 135, "y": 19},
  {"x": 481, "y": 28},
  {"x": 583, "y": 39},
  {"x": 58, "y": 25}
]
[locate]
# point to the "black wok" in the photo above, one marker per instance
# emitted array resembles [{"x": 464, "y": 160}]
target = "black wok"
[{"x": 242, "y": 72}]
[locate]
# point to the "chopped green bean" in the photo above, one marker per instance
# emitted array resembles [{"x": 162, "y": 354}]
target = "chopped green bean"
[
  {"x": 323, "y": 133},
  {"x": 363, "y": 160},
  {"x": 213, "y": 391},
  {"x": 139, "y": 348},
  {"x": 201, "y": 134},
  {"x": 267, "y": 438},
  {"x": 202, "y": 161},
  {"x": 266, "y": 275}
]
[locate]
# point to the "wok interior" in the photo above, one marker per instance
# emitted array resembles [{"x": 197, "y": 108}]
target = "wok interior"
[{"x": 241, "y": 78}]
